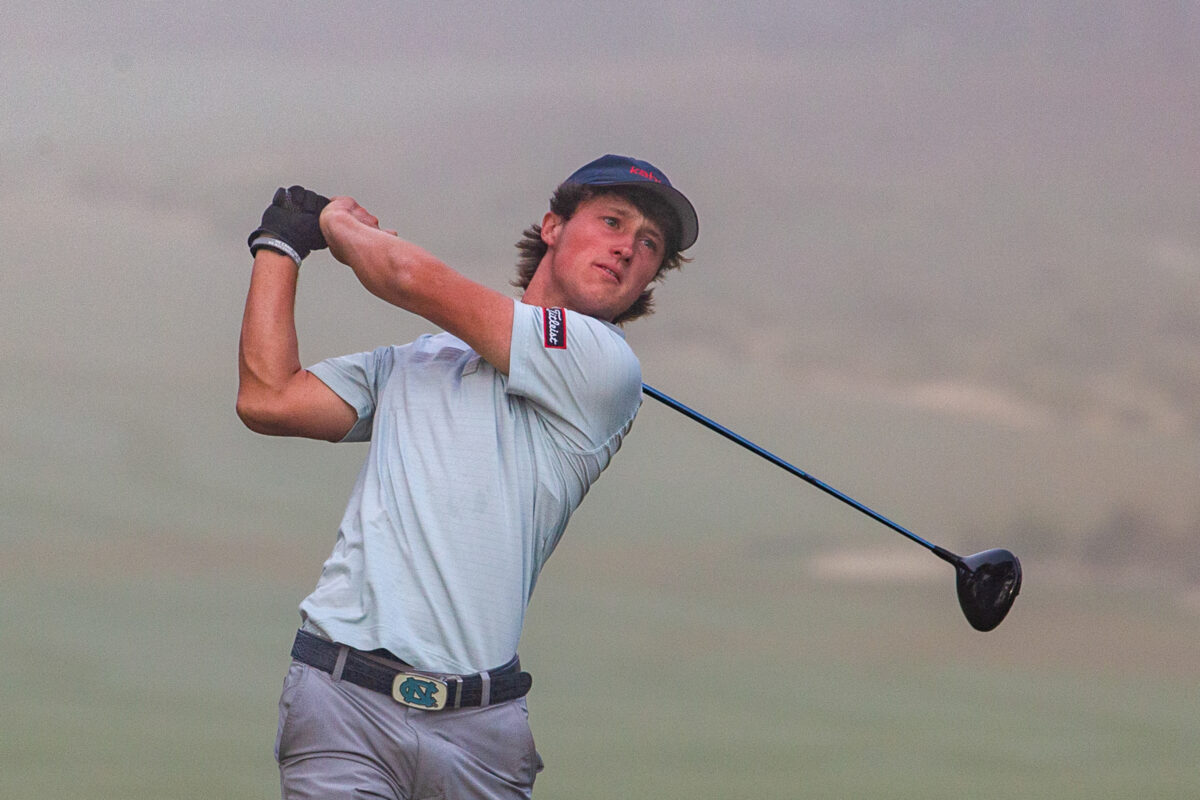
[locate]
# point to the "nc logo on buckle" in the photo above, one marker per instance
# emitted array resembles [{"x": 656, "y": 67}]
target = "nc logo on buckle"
[{"x": 419, "y": 691}]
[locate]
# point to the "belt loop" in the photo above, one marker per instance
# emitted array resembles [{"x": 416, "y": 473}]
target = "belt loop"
[
  {"x": 340, "y": 664},
  {"x": 485, "y": 699}
]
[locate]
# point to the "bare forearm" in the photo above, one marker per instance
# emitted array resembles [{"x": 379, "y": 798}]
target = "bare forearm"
[
  {"x": 269, "y": 353},
  {"x": 409, "y": 277},
  {"x": 383, "y": 263}
]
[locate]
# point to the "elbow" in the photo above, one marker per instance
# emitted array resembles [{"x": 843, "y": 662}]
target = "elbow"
[
  {"x": 256, "y": 414},
  {"x": 272, "y": 413}
]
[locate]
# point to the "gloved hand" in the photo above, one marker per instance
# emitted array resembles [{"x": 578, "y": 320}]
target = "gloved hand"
[{"x": 291, "y": 223}]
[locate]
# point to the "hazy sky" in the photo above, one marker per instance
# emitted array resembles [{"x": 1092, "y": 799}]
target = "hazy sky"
[{"x": 914, "y": 217}]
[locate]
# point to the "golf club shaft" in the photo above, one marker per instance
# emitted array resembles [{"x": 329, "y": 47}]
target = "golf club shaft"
[{"x": 671, "y": 402}]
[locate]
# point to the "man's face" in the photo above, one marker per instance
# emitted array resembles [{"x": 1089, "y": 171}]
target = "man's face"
[{"x": 600, "y": 260}]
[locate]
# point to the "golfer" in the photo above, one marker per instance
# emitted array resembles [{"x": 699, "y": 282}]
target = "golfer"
[{"x": 483, "y": 438}]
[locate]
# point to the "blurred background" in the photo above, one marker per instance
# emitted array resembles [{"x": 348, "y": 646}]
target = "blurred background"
[{"x": 949, "y": 262}]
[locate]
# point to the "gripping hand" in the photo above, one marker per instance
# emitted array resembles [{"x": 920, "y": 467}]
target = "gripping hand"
[{"x": 291, "y": 224}]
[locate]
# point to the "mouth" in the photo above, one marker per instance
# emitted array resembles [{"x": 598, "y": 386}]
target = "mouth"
[{"x": 612, "y": 273}]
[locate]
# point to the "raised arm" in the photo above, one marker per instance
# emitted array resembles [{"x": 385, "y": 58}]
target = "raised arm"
[
  {"x": 275, "y": 395},
  {"x": 409, "y": 277}
]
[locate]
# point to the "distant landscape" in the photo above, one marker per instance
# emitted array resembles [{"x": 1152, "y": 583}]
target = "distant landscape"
[{"x": 949, "y": 262}]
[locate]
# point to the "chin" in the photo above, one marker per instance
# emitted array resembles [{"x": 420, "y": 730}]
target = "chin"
[{"x": 598, "y": 309}]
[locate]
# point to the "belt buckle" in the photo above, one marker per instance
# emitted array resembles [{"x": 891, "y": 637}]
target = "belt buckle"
[{"x": 415, "y": 690}]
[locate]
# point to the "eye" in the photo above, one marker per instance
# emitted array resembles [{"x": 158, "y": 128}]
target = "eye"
[
  {"x": 610, "y": 221},
  {"x": 650, "y": 244}
]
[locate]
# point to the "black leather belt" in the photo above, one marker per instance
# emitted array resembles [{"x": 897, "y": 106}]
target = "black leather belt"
[{"x": 428, "y": 691}]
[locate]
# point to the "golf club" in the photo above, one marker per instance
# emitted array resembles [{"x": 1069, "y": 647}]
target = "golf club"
[{"x": 987, "y": 582}]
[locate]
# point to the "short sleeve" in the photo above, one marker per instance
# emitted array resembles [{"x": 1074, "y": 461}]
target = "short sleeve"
[
  {"x": 578, "y": 372},
  {"x": 357, "y": 379}
]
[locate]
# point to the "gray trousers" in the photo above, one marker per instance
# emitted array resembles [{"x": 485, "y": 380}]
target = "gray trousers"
[{"x": 339, "y": 740}]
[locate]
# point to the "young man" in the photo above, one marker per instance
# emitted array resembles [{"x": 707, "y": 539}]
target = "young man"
[{"x": 483, "y": 440}]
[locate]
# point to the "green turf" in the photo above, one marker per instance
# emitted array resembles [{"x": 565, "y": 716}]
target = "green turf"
[
  {"x": 660, "y": 671},
  {"x": 154, "y": 688},
  {"x": 810, "y": 690}
]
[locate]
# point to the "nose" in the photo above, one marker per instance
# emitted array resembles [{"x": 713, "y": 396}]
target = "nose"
[{"x": 623, "y": 247}]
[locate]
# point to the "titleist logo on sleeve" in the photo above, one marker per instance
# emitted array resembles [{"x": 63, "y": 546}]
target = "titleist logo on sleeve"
[{"x": 554, "y": 325}]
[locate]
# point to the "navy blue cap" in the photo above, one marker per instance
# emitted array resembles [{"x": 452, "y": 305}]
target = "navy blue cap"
[{"x": 613, "y": 170}]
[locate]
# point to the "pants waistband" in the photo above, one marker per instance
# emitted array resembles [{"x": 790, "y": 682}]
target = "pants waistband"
[{"x": 428, "y": 691}]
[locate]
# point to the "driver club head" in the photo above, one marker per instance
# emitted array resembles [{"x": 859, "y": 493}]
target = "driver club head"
[{"x": 988, "y": 583}]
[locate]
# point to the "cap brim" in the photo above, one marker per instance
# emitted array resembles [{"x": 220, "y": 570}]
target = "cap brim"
[{"x": 689, "y": 223}]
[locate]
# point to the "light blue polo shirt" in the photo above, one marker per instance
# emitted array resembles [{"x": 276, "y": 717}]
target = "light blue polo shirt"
[{"x": 469, "y": 481}]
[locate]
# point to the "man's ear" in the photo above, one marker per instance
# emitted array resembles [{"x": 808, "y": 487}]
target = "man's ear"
[{"x": 551, "y": 227}]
